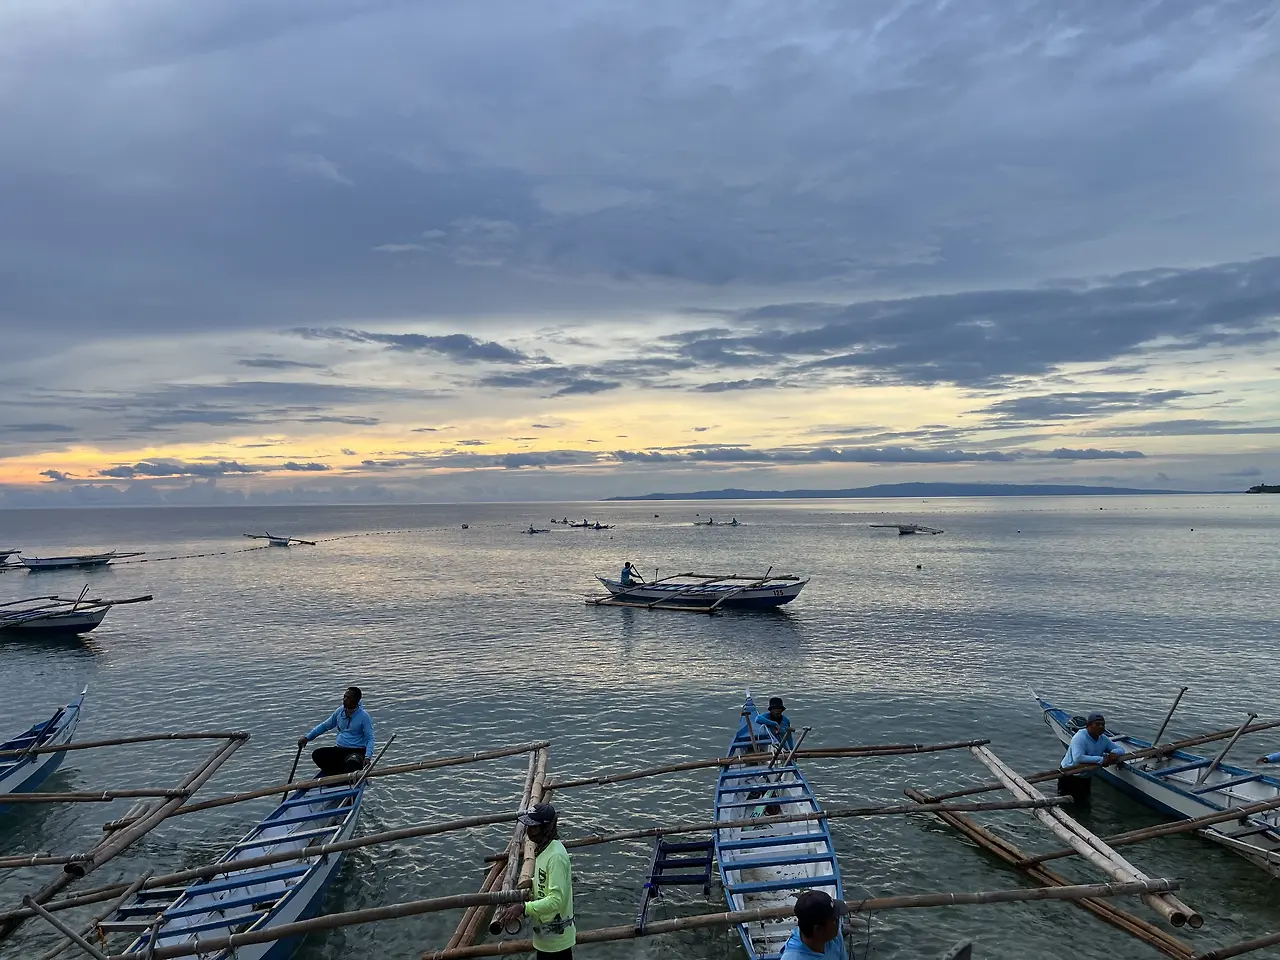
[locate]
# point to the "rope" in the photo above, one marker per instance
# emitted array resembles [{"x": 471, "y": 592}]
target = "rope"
[{"x": 189, "y": 556}]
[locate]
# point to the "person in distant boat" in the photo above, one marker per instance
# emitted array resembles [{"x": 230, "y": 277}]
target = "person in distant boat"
[
  {"x": 1090, "y": 745},
  {"x": 817, "y": 935},
  {"x": 551, "y": 907},
  {"x": 630, "y": 575},
  {"x": 777, "y": 722},
  {"x": 733, "y": 522},
  {"x": 1270, "y": 758},
  {"x": 354, "y": 745}
]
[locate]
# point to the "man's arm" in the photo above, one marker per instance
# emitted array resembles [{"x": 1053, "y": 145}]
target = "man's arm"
[
  {"x": 555, "y": 899},
  {"x": 324, "y": 725},
  {"x": 368, "y": 737},
  {"x": 1077, "y": 754}
]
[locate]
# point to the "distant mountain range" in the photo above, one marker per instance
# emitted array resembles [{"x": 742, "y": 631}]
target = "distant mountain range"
[{"x": 907, "y": 490}]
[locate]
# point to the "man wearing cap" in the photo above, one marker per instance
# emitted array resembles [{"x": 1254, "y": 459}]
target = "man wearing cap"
[
  {"x": 817, "y": 934},
  {"x": 777, "y": 722},
  {"x": 551, "y": 907},
  {"x": 1090, "y": 745}
]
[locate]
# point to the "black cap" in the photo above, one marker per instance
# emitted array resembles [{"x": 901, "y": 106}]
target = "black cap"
[
  {"x": 777, "y": 702},
  {"x": 814, "y": 908},
  {"x": 539, "y": 815}
]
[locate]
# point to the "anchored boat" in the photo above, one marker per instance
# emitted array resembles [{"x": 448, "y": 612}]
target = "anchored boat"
[
  {"x": 1188, "y": 785},
  {"x": 253, "y": 898},
  {"x": 907, "y": 529},
  {"x": 22, "y": 770},
  {"x": 75, "y": 562},
  {"x": 57, "y": 616},
  {"x": 703, "y": 593},
  {"x": 274, "y": 541},
  {"x": 768, "y": 865}
]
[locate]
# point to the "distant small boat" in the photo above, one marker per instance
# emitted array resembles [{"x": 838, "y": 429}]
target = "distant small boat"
[
  {"x": 251, "y": 898},
  {"x": 704, "y": 593},
  {"x": 466, "y": 526},
  {"x": 55, "y": 616},
  {"x": 712, "y": 523},
  {"x": 8, "y": 563},
  {"x": 77, "y": 562},
  {"x": 275, "y": 541},
  {"x": 907, "y": 529},
  {"x": 533, "y": 530},
  {"x": 22, "y": 771}
]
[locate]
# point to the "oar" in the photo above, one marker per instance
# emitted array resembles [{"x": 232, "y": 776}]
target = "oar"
[{"x": 292, "y": 770}]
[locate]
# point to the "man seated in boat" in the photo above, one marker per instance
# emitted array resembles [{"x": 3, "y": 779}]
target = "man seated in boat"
[
  {"x": 630, "y": 575},
  {"x": 777, "y": 722},
  {"x": 354, "y": 744},
  {"x": 817, "y": 935},
  {"x": 1090, "y": 745}
]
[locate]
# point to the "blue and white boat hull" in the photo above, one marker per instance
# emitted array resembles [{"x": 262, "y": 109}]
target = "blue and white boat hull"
[{"x": 25, "y": 774}]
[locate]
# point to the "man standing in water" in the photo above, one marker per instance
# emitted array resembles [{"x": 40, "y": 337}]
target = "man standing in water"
[
  {"x": 817, "y": 934},
  {"x": 355, "y": 737},
  {"x": 554, "y": 931},
  {"x": 1090, "y": 745}
]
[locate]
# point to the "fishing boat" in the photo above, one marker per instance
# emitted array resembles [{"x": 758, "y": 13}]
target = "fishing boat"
[
  {"x": 907, "y": 529},
  {"x": 79, "y": 561},
  {"x": 253, "y": 898},
  {"x": 274, "y": 541},
  {"x": 57, "y": 616},
  {"x": 1188, "y": 785},
  {"x": 532, "y": 530},
  {"x": 705, "y": 593},
  {"x": 767, "y": 866},
  {"x": 22, "y": 771},
  {"x": 9, "y": 560},
  {"x": 710, "y": 522}
]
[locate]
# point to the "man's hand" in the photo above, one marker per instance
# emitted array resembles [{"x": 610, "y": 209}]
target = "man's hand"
[
  {"x": 302, "y": 742},
  {"x": 1112, "y": 759},
  {"x": 367, "y": 761},
  {"x": 513, "y": 914}
]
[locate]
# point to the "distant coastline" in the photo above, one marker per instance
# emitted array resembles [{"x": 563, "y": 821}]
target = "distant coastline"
[{"x": 913, "y": 490}]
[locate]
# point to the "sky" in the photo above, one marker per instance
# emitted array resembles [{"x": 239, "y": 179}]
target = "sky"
[{"x": 276, "y": 251}]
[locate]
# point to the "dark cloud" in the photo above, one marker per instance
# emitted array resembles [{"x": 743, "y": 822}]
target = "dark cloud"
[
  {"x": 52, "y": 428},
  {"x": 473, "y": 443},
  {"x": 568, "y": 380},
  {"x": 276, "y": 363},
  {"x": 1083, "y": 404},
  {"x": 756, "y": 383},
  {"x": 55, "y": 475},
  {"x": 1185, "y": 428},
  {"x": 176, "y": 468},
  {"x": 455, "y": 346},
  {"x": 309, "y": 467}
]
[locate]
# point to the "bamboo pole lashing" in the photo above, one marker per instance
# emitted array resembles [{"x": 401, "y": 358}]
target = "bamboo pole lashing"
[
  {"x": 758, "y": 756},
  {"x": 138, "y": 738},
  {"x": 1089, "y": 846},
  {"x": 1108, "y": 912},
  {"x": 337, "y": 779},
  {"x": 1170, "y": 829},
  {"x": 99, "y": 894},
  {"x": 872, "y": 905},
  {"x": 1143, "y": 754}
]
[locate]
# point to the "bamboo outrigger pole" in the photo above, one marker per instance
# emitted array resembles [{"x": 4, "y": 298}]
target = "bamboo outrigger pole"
[{"x": 122, "y": 741}]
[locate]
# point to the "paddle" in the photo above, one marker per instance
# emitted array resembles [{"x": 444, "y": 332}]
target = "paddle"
[{"x": 292, "y": 770}]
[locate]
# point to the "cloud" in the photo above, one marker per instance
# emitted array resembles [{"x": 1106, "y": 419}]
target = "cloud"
[
  {"x": 1191, "y": 426},
  {"x": 756, "y": 383},
  {"x": 38, "y": 428},
  {"x": 456, "y": 346},
  {"x": 399, "y": 248},
  {"x": 277, "y": 363},
  {"x": 568, "y": 380},
  {"x": 309, "y": 467},
  {"x": 165, "y": 467},
  {"x": 56, "y": 475},
  {"x": 1083, "y": 404}
]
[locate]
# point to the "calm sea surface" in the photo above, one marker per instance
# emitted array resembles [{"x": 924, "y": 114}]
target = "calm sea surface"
[{"x": 465, "y": 640}]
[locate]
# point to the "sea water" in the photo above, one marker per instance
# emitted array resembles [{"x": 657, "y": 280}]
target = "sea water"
[{"x": 465, "y": 640}]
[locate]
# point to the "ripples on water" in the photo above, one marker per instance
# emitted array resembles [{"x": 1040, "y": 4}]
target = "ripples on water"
[{"x": 466, "y": 640}]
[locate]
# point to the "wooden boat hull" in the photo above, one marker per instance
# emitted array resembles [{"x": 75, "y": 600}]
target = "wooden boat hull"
[
  {"x": 764, "y": 597},
  {"x": 769, "y": 865},
  {"x": 262, "y": 897},
  {"x": 25, "y": 775},
  {"x": 67, "y": 563},
  {"x": 57, "y": 624},
  {"x": 1168, "y": 784}
]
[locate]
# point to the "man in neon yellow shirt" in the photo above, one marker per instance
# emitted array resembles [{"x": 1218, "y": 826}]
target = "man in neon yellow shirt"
[{"x": 551, "y": 908}]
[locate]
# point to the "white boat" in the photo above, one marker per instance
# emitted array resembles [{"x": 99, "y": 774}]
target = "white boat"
[
  {"x": 22, "y": 771},
  {"x": 54, "y": 616},
  {"x": 705, "y": 593},
  {"x": 1187, "y": 786},
  {"x": 767, "y": 866},
  {"x": 253, "y": 898},
  {"x": 907, "y": 529},
  {"x": 76, "y": 562},
  {"x": 275, "y": 541}
]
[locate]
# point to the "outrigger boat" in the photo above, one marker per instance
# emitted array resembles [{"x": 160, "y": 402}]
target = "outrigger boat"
[
  {"x": 532, "y": 530},
  {"x": 238, "y": 900},
  {"x": 6, "y": 561},
  {"x": 22, "y": 771},
  {"x": 1188, "y": 785},
  {"x": 703, "y": 593},
  {"x": 767, "y": 866},
  {"x": 275, "y": 541},
  {"x": 76, "y": 562},
  {"x": 907, "y": 529},
  {"x": 57, "y": 616}
]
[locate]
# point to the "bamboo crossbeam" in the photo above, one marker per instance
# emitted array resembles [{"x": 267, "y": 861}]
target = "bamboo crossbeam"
[
  {"x": 88, "y": 931},
  {"x": 106, "y": 796},
  {"x": 1087, "y": 844},
  {"x": 285, "y": 931},
  {"x": 872, "y": 905},
  {"x": 65, "y": 930},
  {"x": 1170, "y": 829},
  {"x": 1107, "y": 912},
  {"x": 540, "y": 794},
  {"x": 138, "y": 738},
  {"x": 1239, "y": 949},
  {"x": 473, "y": 918},
  {"x": 245, "y": 863},
  {"x": 519, "y": 847},
  {"x": 833, "y": 813},
  {"x": 112, "y": 845},
  {"x": 1144, "y": 754},
  {"x": 819, "y": 753},
  {"x": 331, "y": 781},
  {"x": 19, "y": 861}
]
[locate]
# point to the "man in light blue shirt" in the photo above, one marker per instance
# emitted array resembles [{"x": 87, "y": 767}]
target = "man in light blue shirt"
[
  {"x": 354, "y": 741},
  {"x": 1270, "y": 758},
  {"x": 1090, "y": 745},
  {"x": 817, "y": 933},
  {"x": 777, "y": 722},
  {"x": 630, "y": 575}
]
